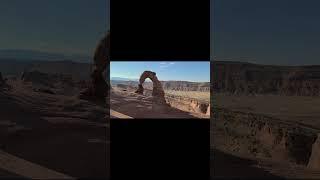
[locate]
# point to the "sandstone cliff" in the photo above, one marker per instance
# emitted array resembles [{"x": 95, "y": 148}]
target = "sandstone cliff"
[
  {"x": 257, "y": 135},
  {"x": 186, "y": 86},
  {"x": 247, "y": 78},
  {"x": 171, "y": 85}
]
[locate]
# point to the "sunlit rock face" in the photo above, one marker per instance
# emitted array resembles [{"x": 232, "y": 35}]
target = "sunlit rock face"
[
  {"x": 261, "y": 136},
  {"x": 157, "y": 90}
]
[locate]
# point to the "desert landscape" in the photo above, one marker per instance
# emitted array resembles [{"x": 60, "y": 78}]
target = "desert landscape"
[
  {"x": 265, "y": 120},
  {"x": 159, "y": 99},
  {"x": 46, "y": 129},
  {"x": 54, "y": 117}
]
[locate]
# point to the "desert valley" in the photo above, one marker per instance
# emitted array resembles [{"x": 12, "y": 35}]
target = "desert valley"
[{"x": 265, "y": 120}]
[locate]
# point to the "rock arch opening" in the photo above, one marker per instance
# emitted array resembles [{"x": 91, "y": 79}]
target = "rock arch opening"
[{"x": 157, "y": 91}]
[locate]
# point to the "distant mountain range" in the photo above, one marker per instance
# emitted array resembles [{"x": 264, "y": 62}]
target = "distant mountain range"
[
  {"x": 167, "y": 85},
  {"x": 148, "y": 80},
  {"x": 122, "y": 79},
  {"x": 27, "y": 55},
  {"x": 16, "y": 67},
  {"x": 249, "y": 79}
]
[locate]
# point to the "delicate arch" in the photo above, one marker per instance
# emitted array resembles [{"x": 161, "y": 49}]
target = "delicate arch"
[
  {"x": 100, "y": 86},
  {"x": 102, "y": 54},
  {"x": 1, "y": 79},
  {"x": 157, "y": 90}
]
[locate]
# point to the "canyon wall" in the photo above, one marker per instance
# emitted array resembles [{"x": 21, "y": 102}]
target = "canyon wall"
[
  {"x": 247, "y": 78},
  {"x": 265, "y": 137},
  {"x": 186, "y": 86},
  {"x": 188, "y": 104},
  {"x": 171, "y": 85}
]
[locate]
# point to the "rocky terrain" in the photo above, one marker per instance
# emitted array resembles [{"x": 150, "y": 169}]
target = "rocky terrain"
[
  {"x": 77, "y": 70},
  {"x": 129, "y": 95},
  {"x": 262, "y": 136},
  {"x": 265, "y": 119},
  {"x": 186, "y": 86},
  {"x": 45, "y": 125},
  {"x": 247, "y": 78},
  {"x": 125, "y": 101},
  {"x": 266, "y": 139},
  {"x": 172, "y": 85},
  {"x": 189, "y": 104}
]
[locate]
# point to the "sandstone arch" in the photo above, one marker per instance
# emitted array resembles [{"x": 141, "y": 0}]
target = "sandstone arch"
[
  {"x": 99, "y": 86},
  {"x": 157, "y": 91},
  {"x": 2, "y": 81}
]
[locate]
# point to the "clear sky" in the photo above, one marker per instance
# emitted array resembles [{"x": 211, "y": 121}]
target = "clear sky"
[
  {"x": 285, "y": 32},
  {"x": 184, "y": 71},
  {"x": 63, "y": 26}
]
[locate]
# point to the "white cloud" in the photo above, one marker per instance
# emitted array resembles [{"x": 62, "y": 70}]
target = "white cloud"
[
  {"x": 164, "y": 63},
  {"x": 164, "y": 66}
]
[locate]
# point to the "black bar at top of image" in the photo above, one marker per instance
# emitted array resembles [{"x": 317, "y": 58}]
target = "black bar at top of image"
[{"x": 162, "y": 30}]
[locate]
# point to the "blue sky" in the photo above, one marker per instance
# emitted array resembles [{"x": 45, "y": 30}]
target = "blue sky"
[
  {"x": 283, "y": 32},
  {"x": 166, "y": 70},
  {"x": 62, "y": 26}
]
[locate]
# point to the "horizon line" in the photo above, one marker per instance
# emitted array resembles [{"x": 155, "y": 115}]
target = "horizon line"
[
  {"x": 137, "y": 79},
  {"x": 263, "y": 64},
  {"x": 46, "y": 51}
]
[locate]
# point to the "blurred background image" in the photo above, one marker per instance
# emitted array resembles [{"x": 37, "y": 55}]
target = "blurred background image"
[
  {"x": 266, "y": 87},
  {"x": 47, "y": 52}
]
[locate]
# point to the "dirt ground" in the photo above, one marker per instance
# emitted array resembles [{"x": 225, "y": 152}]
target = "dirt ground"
[{"x": 127, "y": 102}]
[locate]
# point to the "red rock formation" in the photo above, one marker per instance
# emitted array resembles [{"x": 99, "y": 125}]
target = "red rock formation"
[
  {"x": 186, "y": 86},
  {"x": 157, "y": 90},
  {"x": 99, "y": 86},
  {"x": 1, "y": 79},
  {"x": 314, "y": 160},
  {"x": 247, "y": 78},
  {"x": 208, "y": 110},
  {"x": 266, "y": 137}
]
